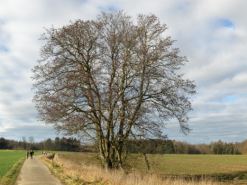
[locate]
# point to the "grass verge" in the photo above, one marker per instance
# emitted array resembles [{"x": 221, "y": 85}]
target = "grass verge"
[
  {"x": 58, "y": 170},
  {"x": 12, "y": 174},
  {"x": 74, "y": 173}
]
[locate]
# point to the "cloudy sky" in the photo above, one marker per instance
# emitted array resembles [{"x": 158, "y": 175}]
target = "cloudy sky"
[{"x": 211, "y": 33}]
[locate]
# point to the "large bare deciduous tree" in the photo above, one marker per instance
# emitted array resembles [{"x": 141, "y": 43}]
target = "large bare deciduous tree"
[{"x": 111, "y": 79}]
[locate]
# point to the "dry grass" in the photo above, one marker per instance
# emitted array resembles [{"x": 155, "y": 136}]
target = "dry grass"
[
  {"x": 73, "y": 173},
  {"x": 172, "y": 165}
]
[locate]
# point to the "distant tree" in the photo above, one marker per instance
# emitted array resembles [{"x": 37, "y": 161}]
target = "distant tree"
[
  {"x": 48, "y": 144},
  {"x": 220, "y": 147},
  {"x": 57, "y": 144},
  {"x": 3, "y": 143},
  {"x": 204, "y": 149},
  {"x": 168, "y": 147},
  {"x": 111, "y": 79},
  {"x": 30, "y": 142},
  {"x": 69, "y": 144},
  {"x": 24, "y": 142},
  {"x": 150, "y": 146}
]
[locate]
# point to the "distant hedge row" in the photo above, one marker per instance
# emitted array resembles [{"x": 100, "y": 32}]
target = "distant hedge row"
[
  {"x": 175, "y": 147},
  {"x": 160, "y": 146}
]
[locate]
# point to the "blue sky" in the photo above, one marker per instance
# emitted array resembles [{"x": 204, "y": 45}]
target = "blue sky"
[{"x": 212, "y": 34}]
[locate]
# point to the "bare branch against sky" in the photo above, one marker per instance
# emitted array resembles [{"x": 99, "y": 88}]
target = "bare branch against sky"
[
  {"x": 212, "y": 34},
  {"x": 112, "y": 80}
]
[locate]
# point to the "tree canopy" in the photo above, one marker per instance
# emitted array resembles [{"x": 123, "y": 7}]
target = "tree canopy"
[{"x": 111, "y": 79}]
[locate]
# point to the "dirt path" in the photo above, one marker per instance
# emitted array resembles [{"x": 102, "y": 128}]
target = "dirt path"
[{"x": 34, "y": 172}]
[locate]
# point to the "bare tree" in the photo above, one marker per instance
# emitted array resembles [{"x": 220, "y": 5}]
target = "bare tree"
[
  {"x": 111, "y": 79},
  {"x": 24, "y": 141},
  {"x": 30, "y": 141}
]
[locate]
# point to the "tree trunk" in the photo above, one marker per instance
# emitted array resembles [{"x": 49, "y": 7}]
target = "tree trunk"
[
  {"x": 146, "y": 161},
  {"x": 108, "y": 164},
  {"x": 111, "y": 156}
]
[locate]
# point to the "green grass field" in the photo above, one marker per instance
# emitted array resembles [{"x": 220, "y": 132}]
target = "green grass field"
[
  {"x": 10, "y": 162},
  {"x": 191, "y": 164},
  {"x": 175, "y": 164}
]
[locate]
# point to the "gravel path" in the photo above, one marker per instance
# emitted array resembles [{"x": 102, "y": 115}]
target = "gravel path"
[{"x": 34, "y": 172}]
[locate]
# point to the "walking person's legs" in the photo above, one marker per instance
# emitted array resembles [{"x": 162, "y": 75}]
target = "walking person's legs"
[{"x": 31, "y": 153}]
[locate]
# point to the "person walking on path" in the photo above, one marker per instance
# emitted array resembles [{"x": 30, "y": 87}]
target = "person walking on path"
[
  {"x": 34, "y": 172},
  {"x": 31, "y": 154},
  {"x": 28, "y": 153}
]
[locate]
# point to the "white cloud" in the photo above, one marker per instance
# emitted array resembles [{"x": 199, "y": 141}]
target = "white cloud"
[{"x": 212, "y": 34}]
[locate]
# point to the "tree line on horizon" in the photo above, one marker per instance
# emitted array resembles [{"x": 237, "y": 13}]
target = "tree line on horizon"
[
  {"x": 159, "y": 146},
  {"x": 57, "y": 144},
  {"x": 146, "y": 146}
]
